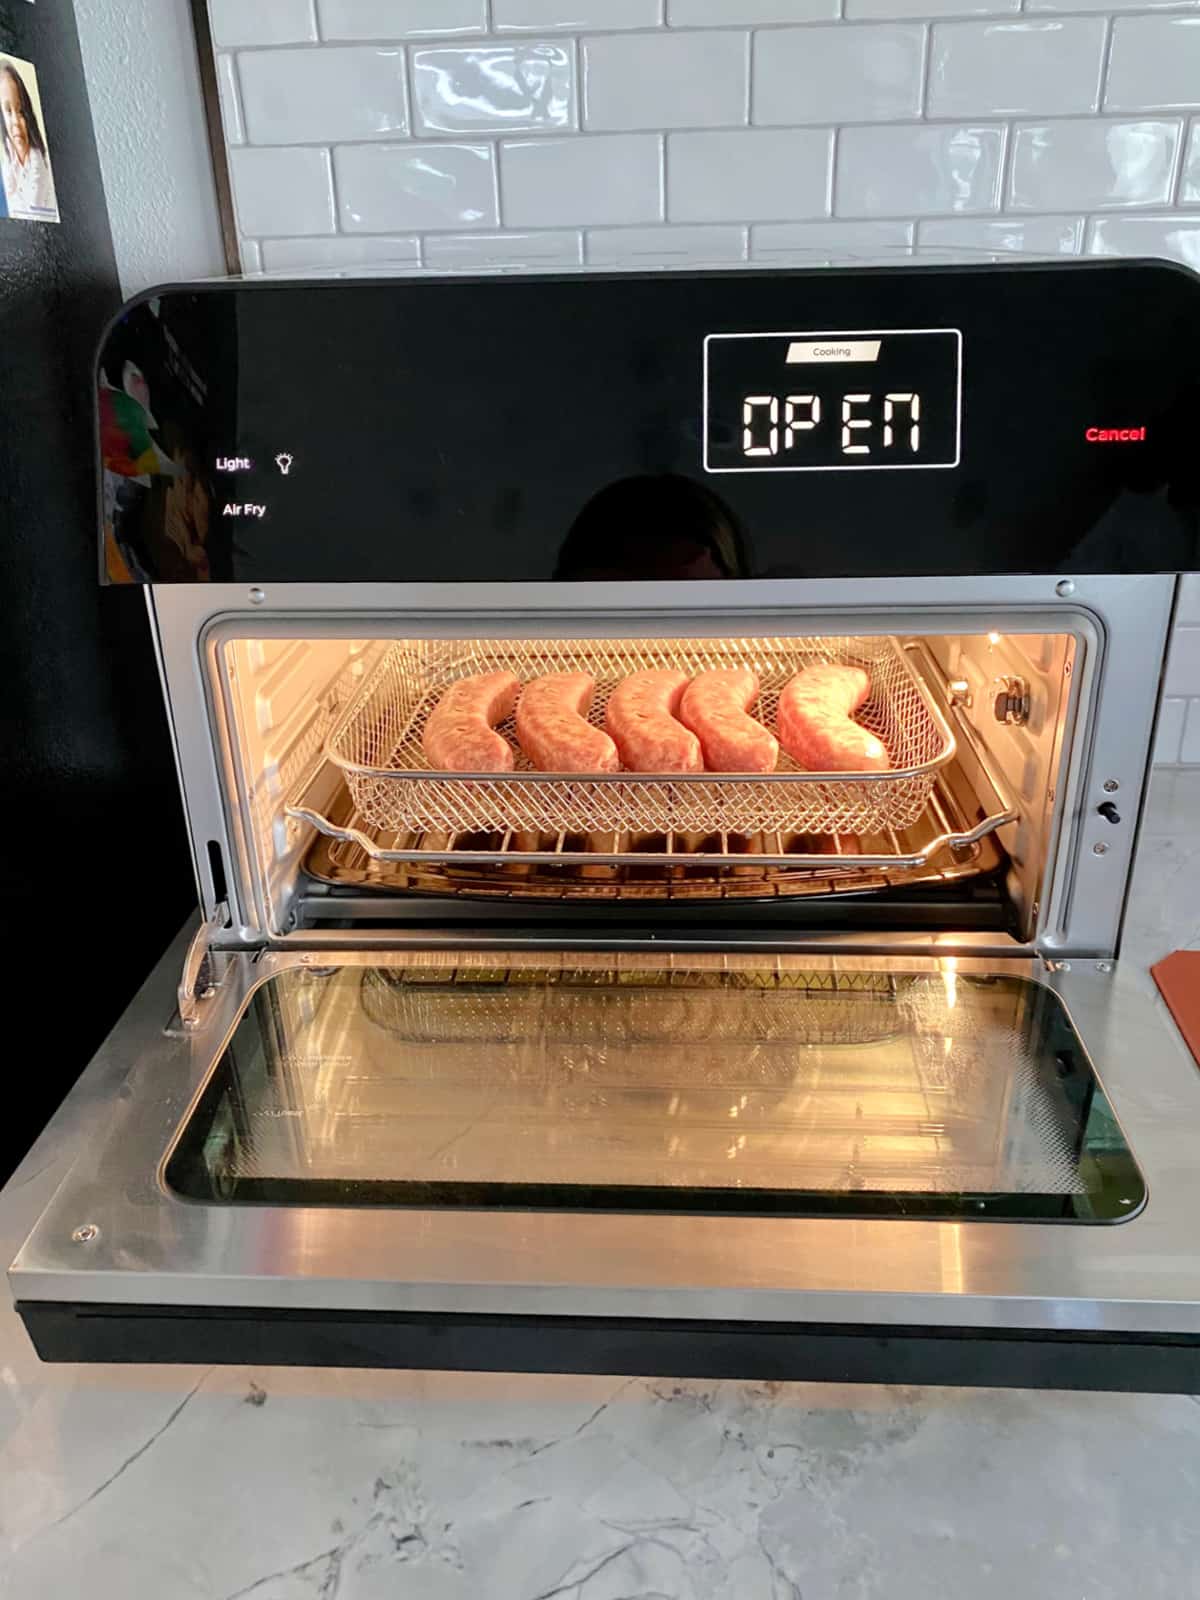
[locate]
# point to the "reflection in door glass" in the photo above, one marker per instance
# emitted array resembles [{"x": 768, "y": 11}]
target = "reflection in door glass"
[{"x": 677, "y": 1086}]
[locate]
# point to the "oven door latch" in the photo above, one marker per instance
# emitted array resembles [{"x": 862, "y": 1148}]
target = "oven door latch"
[{"x": 198, "y": 980}]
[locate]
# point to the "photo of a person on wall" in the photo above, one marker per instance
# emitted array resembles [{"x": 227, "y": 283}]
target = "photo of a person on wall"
[{"x": 24, "y": 152}]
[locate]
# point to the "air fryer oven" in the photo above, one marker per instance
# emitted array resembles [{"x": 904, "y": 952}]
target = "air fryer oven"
[{"x": 824, "y": 1073}]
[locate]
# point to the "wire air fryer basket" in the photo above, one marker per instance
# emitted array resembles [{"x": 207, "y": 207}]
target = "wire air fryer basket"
[{"x": 377, "y": 744}]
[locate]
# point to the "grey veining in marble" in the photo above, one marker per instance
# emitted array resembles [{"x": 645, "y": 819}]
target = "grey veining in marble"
[{"x": 307, "y": 1485}]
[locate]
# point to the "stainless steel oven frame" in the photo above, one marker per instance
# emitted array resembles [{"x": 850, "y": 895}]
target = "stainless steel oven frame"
[
  {"x": 121, "y": 1268},
  {"x": 1122, "y": 624}
]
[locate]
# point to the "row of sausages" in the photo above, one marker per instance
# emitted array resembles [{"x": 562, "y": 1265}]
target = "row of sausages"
[{"x": 657, "y": 721}]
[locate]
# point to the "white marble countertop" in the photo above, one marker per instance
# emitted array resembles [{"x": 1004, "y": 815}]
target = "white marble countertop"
[{"x": 297, "y": 1484}]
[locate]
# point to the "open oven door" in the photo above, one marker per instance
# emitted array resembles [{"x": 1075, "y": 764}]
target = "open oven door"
[{"x": 699, "y": 1162}]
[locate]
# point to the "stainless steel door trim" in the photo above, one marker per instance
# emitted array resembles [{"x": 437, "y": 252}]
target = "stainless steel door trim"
[{"x": 151, "y": 1248}]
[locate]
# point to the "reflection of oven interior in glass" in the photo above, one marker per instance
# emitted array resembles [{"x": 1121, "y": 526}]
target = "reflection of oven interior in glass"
[
  {"x": 338, "y": 808},
  {"x": 665, "y": 1088}
]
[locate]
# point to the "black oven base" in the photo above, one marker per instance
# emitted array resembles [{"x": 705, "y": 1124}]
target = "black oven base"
[{"x": 638, "y": 1347}]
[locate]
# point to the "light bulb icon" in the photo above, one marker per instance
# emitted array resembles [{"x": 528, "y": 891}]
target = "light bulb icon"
[{"x": 284, "y": 462}]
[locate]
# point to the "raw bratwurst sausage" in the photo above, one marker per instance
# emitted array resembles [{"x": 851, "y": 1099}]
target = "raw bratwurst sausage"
[
  {"x": 715, "y": 706},
  {"x": 642, "y": 718},
  {"x": 816, "y": 726},
  {"x": 553, "y": 728},
  {"x": 460, "y": 735}
]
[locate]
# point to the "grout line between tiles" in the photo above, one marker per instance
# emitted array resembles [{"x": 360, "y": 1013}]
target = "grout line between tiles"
[
  {"x": 498, "y": 188},
  {"x": 988, "y": 121},
  {"x": 333, "y": 190},
  {"x": 1007, "y": 156},
  {"x": 580, "y": 79},
  {"x": 834, "y": 220},
  {"x": 490, "y": 37},
  {"x": 1105, "y": 62},
  {"x": 1181, "y": 156},
  {"x": 926, "y": 61}
]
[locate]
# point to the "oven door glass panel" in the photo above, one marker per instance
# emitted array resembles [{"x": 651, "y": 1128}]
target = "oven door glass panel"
[{"x": 651, "y": 1087}]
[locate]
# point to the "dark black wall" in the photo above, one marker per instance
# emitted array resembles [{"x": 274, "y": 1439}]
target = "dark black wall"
[{"x": 94, "y": 875}]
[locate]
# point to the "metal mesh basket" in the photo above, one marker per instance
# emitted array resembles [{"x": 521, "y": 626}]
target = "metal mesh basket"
[
  {"x": 377, "y": 743},
  {"x": 612, "y": 1009}
]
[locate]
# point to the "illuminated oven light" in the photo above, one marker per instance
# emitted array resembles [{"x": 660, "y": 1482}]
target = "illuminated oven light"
[{"x": 993, "y": 639}]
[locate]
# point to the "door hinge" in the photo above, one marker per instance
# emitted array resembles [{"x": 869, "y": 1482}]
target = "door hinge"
[{"x": 198, "y": 982}]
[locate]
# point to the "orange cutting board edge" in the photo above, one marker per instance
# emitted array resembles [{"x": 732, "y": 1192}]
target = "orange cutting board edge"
[{"x": 1178, "y": 980}]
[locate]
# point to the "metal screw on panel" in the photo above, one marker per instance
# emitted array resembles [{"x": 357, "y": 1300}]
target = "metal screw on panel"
[
  {"x": 1099, "y": 849},
  {"x": 1104, "y": 966},
  {"x": 86, "y": 1233},
  {"x": 257, "y": 596},
  {"x": 1064, "y": 588},
  {"x": 1111, "y": 786}
]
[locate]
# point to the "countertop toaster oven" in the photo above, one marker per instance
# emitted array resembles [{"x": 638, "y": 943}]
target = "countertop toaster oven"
[{"x": 503, "y": 1043}]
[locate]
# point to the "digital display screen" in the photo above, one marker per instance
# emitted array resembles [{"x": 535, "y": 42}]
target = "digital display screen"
[{"x": 823, "y": 402}]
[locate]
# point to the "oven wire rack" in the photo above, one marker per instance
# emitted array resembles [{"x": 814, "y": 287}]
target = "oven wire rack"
[{"x": 376, "y": 742}]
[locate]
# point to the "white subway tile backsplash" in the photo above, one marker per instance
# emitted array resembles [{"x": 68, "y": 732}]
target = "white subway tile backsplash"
[
  {"x": 488, "y": 88},
  {"x": 1189, "y": 750},
  {"x": 837, "y": 74},
  {"x": 1176, "y": 236},
  {"x": 561, "y": 247},
  {"x": 1016, "y": 67},
  {"x": 1183, "y": 666},
  {"x": 384, "y": 188},
  {"x": 230, "y": 98},
  {"x": 397, "y": 19},
  {"x": 1189, "y": 188},
  {"x": 1155, "y": 64},
  {"x": 282, "y": 191},
  {"x": 875, "y": 10},
  {"x": 887, "y": 171},
  {"x": 673, "y": 245},
  {"x": 238, "y": 22},
  {"x": 1169, "y": 735},
  {"x": 747, "y": 13},
  {"x": 1112, "y": 5},
  {"x": 1095, "y": 164},
  {"x": 321, "y": 96},
  {"x": 579, "y": 16},
  {"x": 831, "y": 241},
  {"x": 1188, "y": 609},
  {"x": 339, "y": 252},
  {"x": 665, "y": 80},
  {"x": 581, "y": 181},
  {"x": 749, "y": 175},
  {"x": 1042, "y": 236}
]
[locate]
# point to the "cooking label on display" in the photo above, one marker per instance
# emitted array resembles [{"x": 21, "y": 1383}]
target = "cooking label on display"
[{"x": 828, "y": 402}]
